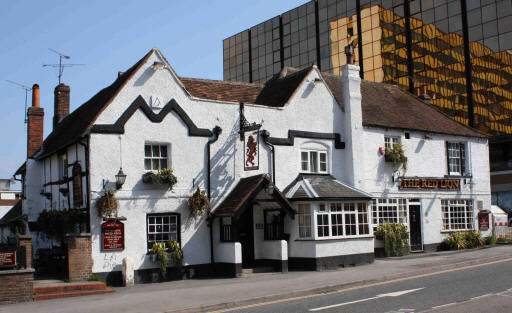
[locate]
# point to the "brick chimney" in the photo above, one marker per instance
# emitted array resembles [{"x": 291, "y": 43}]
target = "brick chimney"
[
  {"x": 61, "y": 106},
  {"x": 35, "y": 116}
]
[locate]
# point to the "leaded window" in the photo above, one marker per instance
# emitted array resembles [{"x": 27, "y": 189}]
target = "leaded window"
[
  {"x": 155, "y": 157},
  {"x": 162, "y": 228},
  {"x": 457, "y": 214}
]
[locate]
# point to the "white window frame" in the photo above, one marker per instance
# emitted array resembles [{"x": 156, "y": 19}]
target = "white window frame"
[
  {"x": 156, "y": 224},
  {"x": 390, "y": 210},
  {"x": 461, "y": 209},
  {"x": 62, "y": 160},
  {"x": 318, "y": 162},
  {"x": 160, "y": 158},
  {"x": 391, "y": 141},
  {"x": 456, "y": 157},
  {"x": 302, "y": 217}
]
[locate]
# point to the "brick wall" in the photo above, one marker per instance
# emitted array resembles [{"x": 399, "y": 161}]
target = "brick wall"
[
  {"x": 35, "y": 117},
  {"x": 25, "y": 242},
  {"x": 79, "y": 256},
  {"x": 61, "y": 107},
  {"x": 16, "y": 286}
]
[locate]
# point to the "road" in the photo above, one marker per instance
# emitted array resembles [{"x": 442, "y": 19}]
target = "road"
[{"x": 485, "y": 288}]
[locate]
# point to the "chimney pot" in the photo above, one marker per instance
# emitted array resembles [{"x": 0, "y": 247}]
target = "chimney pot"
[
  {"x": 349, "y": 52},
  {"x": 35, "y": 95},
  {"x": 424, "y": 94}
]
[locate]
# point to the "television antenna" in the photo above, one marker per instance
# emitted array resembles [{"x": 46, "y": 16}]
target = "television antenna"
[
  {"x": 60, "y": 66},
  {"x": 27, "y": 89}
]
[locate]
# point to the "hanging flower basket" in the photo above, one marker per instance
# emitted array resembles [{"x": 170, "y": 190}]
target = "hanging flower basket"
[
  {"x": 108, "y": 205},
  {"x": 198, "y": 204},
  {"x": 396, "y": 156},
  {"x": 162, "y": 177}
]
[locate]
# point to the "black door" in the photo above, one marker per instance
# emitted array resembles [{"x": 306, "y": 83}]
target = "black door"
[
  {"x": 415, "y": 226},
  {"x": 245, "y": 233}
]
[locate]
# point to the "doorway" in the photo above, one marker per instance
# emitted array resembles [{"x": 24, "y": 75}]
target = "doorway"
[
  {"x": 415, "y": 225},
  {"x": 245, "y": 235}
]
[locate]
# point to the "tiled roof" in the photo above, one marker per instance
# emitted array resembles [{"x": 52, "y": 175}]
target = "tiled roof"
[
  {"x": 246, "y": 189},
  {"x": 322, "y": 187},
  {"x": 73, "y": 126},
  {"x": 14, "y": 213}
]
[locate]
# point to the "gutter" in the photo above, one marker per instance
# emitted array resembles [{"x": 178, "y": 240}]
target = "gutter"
[
  {"x": 216, "y": 133},
  {"x": 265, "y": 134}
]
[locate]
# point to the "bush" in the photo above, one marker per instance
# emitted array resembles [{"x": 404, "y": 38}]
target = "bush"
[
  {"x": 161, "y": 257},
  {"x": 491, "y": 240},
  {"x": 396, "y": 239},
  {"x": 502, "y": 240},
  {"x": 396, "y": 156},
  {"x": 95, "y": 278},
  {"x": 463, "y": 240},
  {"x": 55, "y": 224},
  {"x": 175, "y": 252}
]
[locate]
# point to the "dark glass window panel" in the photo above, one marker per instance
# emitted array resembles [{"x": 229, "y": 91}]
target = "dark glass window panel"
[
  {"x": 489, "y": 13},
  {"x": 428, "y": 16},
  {"x": 303, "y": 46},
  {"x": 441, "y": 12},
  {"x": 504, "y": 8},
  {"x": 286, "y": 29},
  {"x": 287, "y": 52},
  {"x": 492, "y": 43},
  {"x": 331, "y": 11},
  {"x": 286, "y": 17},
  {"x": 454, "y": 8},
  {"x": 294, "y": 25},
  {"x": 302, "y": 10},
  {"x": 304, "y": 59},
  {"x": 311, "y": 32},
  {"x": 474, "y": 17},
  {"x": 506, "y": 42},
  {"x": 455, "y": 23},
  {"x": 442, "y": 25},
  {"x": 427, "y": 4},
  {"x": 505, "y": 24},
  {"x": 475, "y": 33},
  {"x": 322, "y": 14},
  {"x": 490, "y": 29}
]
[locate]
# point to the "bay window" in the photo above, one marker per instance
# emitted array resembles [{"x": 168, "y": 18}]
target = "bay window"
[
  {"x": 457, "y": 214},
  {"x": 333, "y": 220}
]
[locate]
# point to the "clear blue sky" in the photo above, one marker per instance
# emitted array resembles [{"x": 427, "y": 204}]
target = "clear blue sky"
[{"x": 108, "y": 36}]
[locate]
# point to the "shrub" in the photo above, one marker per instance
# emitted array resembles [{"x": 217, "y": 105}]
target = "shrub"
[
  {"x": 95, "y": 278},
  {"x": 55, "y": 224},
  {"x": 491, "y": 240},
  {"x": 473, "y": 239},
  {"x": 161, "y": 257},
  {"x": 463, "y": 240},
  {"x": 396, "y": 239},
  {"x": 175, "y": 252},
  {"x": 502, "y": 240},
  {"x": 396, "y": 156}
]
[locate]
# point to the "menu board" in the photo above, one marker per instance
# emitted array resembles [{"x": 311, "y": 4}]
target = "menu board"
[
  {"x": 7, "y": 258},
  {"x": 112, "y": 233},
  {"x": 483, "y": 221}
]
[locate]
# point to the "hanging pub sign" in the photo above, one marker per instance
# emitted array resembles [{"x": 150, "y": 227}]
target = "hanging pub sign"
[
  {"x": 429, "y": 183},
  {"x": 252, "y": 151},
  {"x": 7, "y": 258},
  {"x": 77, "y": 186},
  {"x": 112, "y": 233},
  {"x": 483, "y": 221}
]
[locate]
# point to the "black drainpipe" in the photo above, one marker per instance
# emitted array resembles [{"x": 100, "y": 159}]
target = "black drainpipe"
[
  {"x": 216, "y": 133},
  {"x": 266, "y": 135},
  {"x": 87, "y": 182}
]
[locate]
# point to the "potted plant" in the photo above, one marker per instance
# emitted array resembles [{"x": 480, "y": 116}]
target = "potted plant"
[
  {"x": 158, "y": 250},
  {"x": 162, "y": 177},
  {"x": 107, "y": 205},
  {"x": 396, "y": 156},
  {"x": 198, "y": 204}
]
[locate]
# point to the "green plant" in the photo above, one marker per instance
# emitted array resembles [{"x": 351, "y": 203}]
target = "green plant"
[
  {"x": 455, "y": 241},
  {"x": 473, "y": 239},
  {"x": 56, "y": 224},
  {"x": 502, "y": 239},
  {"x": 175, "y": 252},
  {"x": 107, "y": 205},
  {"x": 198, "y": 204},
  {"x": 95, "y": 278},
  {"x": 164, "y": 176},
  {"x": 396, "y": 156},
  {"x": 160, "y": 254},
  {"x": 396, "y": 239},
  {"x": 491, "y": 240}
]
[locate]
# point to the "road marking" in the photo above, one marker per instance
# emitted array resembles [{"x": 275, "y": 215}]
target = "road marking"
[
  {"x": 384, "y": 295},
  {"x": 255, "y": 305},
  {"x": 482, "y": 296},
  {"x": 443, "y": 305}
]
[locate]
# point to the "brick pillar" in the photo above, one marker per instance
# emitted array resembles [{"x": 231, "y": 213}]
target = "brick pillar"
[
  {"x": 79, "y": 256},
  {"x": 25, "y": 242}
]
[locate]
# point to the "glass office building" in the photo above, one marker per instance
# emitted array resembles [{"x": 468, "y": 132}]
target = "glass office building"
[{"x": 460, "y": 49}]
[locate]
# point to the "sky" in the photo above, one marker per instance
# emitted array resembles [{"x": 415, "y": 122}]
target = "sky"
[{"x": 108, "y": 37}]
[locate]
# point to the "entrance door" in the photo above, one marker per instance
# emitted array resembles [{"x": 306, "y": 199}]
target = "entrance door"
[
  {"x": 246, "y": 237},
  {"x": 415, "y": 226}
]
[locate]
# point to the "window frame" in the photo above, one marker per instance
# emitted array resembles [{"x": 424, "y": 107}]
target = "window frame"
[
  {"x": 400, "y": 206},
  {"x": 318, "y": 161},
  {"x": 461, "y": 159},
  {"x": 392, "y": 139},
  {"x": 160, "y": 158},
  {"x": 446, "y": 217},
  {"x": 229, "y": 226},
  {"x": 309, "y": 216},
  {"x": 170, "y": 214}
]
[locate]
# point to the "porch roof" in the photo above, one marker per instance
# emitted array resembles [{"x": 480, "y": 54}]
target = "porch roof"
[
  {"x": 322, "y": 187},
  {"x": 245, "y": 192}
]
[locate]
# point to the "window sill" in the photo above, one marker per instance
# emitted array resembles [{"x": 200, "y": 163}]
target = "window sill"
[
  {"x": 449, "y": 231},
  {"x": 458, "y": 176},
  {"x": 336, "y": 239}
]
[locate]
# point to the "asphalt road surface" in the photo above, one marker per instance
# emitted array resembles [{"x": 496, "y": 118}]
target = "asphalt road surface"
[{"x": 485, "y": 288}]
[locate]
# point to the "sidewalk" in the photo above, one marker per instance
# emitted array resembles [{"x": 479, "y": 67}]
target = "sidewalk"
[{"x": 185, "y": 294}]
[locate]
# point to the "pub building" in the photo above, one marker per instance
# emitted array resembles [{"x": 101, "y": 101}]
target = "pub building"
[{"x": 298, "y": 170}]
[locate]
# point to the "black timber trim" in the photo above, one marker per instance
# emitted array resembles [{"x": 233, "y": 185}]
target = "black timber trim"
[
  {"x": 467, "y": 62},
  {"x": 338, "y": 144},
  {"x": 408, "y": 43},
  {"x": 359, "y": 39},
  {"x": 345, "y": 199},
  {"x": 140, "y": 103}
]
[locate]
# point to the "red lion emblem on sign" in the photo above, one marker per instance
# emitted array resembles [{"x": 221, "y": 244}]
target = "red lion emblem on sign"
[{"x": 251, "y": 151}]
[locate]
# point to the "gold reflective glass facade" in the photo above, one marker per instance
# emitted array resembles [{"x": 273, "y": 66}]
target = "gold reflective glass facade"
[{"x": 461, "y": 50}]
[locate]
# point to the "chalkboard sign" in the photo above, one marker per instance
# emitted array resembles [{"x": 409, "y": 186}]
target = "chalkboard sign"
[
  {"x": 483, "y": 221},
  {"x": 112, "y": 233},
  {"x": 7, "y": 259}
]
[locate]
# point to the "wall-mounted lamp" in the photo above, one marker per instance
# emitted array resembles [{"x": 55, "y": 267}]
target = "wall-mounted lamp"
[
  {"x": 157, "y": 66},
  {"x": 120, "y": 178}
]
